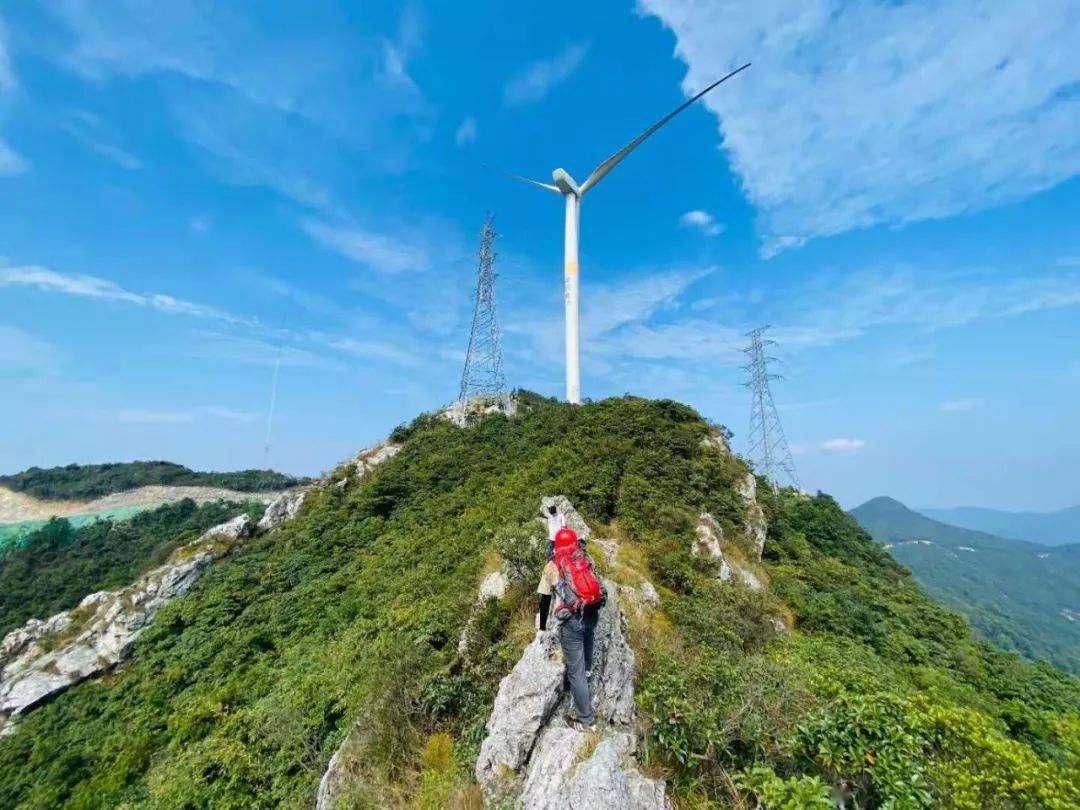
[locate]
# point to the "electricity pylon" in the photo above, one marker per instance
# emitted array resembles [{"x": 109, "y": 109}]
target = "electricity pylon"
[
  {"x": 768, "y": 445},
  {"x": 483, "y": 373}
]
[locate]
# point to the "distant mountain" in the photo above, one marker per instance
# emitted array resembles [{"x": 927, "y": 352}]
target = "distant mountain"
[
  {"x": 1021, "y": 595},
  {"x": 1049, "y": 528}
]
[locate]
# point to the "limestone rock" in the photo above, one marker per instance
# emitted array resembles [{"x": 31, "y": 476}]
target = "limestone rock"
[
  {"x": 714, "y": 441},
  {"x": 282, "y": 508},
  {"x": 42, "y": 659},
  {"x": 608, "y": 778},
  {"x": 367, "y": 460},
  {"x": 463, "y": 412},
  {"x": 649, "y": 594},
  {"x": 756, "y": 528},
  {"x": 710, "y": 536},
  {"x": 610, "y": 548},
  {"x": 335, "y": 780},
  {"x": 235, "y": 529},
  {"x": 710, "y": 543},
  {"x": 525, "y": 701},
  {"x": 493, "y": 586}
]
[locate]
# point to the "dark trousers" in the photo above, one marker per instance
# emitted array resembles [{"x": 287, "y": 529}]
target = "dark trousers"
[{"x": 576, "y": 639}]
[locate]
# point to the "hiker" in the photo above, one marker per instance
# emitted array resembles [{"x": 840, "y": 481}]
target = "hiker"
[{"x": 570, "y": 579}]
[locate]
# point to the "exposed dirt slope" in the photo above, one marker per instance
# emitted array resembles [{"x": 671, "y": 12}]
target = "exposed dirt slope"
[{"x": 16, "y": 507}]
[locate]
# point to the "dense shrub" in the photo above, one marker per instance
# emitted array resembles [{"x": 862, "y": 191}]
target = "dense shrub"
[{"x": 56, "y": 566}]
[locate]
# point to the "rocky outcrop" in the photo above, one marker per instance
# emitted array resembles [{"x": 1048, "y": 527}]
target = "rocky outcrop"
[
  {"x": 755, "y": 526},
  {"x": 532, "y": 758},
  {"x": 42, "y": 659},
  {"x": 281, "y": 509},
  {"x": 493, "y": 586},
  {"x": 709, "y": 543},
  {"x": 464, "y": 412},
  {"x": 367, "y": 460},
  {"x": 715, "y": 441}
]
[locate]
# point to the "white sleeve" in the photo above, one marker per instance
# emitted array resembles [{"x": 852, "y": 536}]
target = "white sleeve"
[{"x": 554, "y": 522}]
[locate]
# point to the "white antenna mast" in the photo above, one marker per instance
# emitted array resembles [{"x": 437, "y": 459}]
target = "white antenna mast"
[{"x": 564, "y": 184}]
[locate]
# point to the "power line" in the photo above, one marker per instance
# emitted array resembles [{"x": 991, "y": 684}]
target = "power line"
[
  {"x": 768, "y": 446},
  {"x": 273, "y": 399},
  {"x": 483, "y": 372}
]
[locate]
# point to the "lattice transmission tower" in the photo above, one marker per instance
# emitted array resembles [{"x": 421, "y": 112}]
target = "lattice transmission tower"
[
  {"x": 483, "y": 373},
  {"x": 768, "y": 445}
]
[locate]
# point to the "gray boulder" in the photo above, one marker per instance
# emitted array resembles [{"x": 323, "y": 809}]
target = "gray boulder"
[
  {"x": 524, "y": 704},
  {"x": 755, "y": 525},
  {"x": 560, "y": 778},
  {"x": 282, "y": 508}
]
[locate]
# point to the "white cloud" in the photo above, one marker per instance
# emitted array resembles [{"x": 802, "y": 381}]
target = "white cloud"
[
  {"x": 466, "y": 133},
  {"x": 199, "y": 224},
  {"x": 206, "y": 412},
  {"x": 266, "y": 106},
  {"x": 379, "y": 252},
  {"x": 537, "y": 78},
  {"x": 960, "y": 405},
  {"x": 23, "y": 352},
  {"x": 702, "y": 221},
  {"x": 11, "y": 162},
  {"x": 863, "y": 113},
  {"x": 83, "y": 127},
  {"x": 7, "y": 74},
  {"x": 841, "y": 445},
  {"x": 83, "y": 286}
]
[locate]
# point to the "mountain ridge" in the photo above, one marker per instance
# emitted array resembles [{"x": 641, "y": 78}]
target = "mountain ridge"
[
  {"x": 344, "y": 623},
  {"x": 1018, "y": 593},
  {"x": 1058, "y": 527}
]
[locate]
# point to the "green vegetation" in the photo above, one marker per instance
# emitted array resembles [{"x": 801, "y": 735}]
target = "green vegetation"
[
  {"x": 349, "y": 616},
  {"x": 1012, "y": 592},
  {"x": 83, "y": 482},
  {"x": 57, "y": 565}
]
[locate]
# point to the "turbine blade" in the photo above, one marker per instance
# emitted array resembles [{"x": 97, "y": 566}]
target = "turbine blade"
[
  {"x": 530, "y": 181},
  {"x": 601, "y": 171}
]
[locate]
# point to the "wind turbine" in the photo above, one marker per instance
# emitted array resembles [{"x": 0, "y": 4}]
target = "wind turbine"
[{"x": 564, "y": 184}]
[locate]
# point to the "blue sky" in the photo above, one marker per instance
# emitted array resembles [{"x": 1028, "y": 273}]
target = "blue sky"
[{"x": 189, "y": 186}]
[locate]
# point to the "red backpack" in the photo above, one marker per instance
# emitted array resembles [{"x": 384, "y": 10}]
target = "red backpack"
[{"x": 578, "y": 586}]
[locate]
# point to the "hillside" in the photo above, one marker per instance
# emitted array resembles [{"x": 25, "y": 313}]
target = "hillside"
[
  {"x": 1021, "y": 595},
  {"x": 359, "y": 620},
  {"x": 58, "y": 565},
  {"x": 84, "y": 482},
  {"x": 1049, "y": 528}
]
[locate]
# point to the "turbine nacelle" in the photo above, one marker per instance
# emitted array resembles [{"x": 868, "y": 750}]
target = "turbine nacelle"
[{"x": 565, "y": 183}]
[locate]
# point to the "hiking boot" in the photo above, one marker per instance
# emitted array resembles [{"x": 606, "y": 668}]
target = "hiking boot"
[{"x": 577, "y": 723}]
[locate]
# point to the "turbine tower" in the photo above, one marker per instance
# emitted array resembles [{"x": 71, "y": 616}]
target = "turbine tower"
[
  {"x": 565, "y": 185},
  {"x": 768, "y": 447},
  {"x": 483, "y": 373}
]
